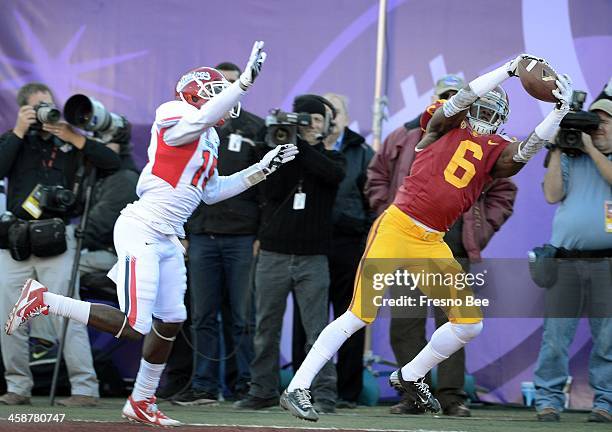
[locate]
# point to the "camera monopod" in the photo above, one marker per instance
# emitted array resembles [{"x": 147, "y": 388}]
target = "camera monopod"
[{"x": 88, "y": 188}]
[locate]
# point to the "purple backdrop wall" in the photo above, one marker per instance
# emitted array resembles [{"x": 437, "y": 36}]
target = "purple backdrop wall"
[{"x": 129, "y": 54}]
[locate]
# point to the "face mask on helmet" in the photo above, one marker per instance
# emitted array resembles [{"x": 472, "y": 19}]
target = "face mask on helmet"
[
  {"x": 200, "y": 85},
  {"x": 488, "y": 113}
]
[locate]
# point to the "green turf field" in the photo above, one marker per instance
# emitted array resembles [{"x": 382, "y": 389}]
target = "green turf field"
[{"x": 484, "y": 419}]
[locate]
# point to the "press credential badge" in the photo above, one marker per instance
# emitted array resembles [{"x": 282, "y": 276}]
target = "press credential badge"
[
  {"x": 299, "y": 200},
  {"x": 32, "y": 203},
  {"x": 235, "y": 143}
]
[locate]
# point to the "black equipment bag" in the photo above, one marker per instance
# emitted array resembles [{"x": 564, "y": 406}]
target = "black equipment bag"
[
  {"x": 6, "y": 220},
  {"x": 48, "y": 237},
  {"x": 19, "y": 240},
  {"x": 543, "y": 265}
]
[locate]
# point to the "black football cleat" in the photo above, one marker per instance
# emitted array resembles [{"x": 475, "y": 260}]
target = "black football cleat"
[
  {"x": 298, "y": 403},
  {"x": 417, "y": 390}
]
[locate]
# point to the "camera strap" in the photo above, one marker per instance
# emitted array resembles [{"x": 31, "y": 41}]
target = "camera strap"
[{"x": 51, "y": 161}]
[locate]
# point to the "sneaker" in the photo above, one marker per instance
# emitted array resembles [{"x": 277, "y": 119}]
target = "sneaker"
[
  {"x": 406, "y": 406},
  {"x": 417, "y": 390},
  {"x": 548, "y": 415},
  {"x": 457, "y": 409},
  {"x": 599, "y": 415},
  {"x": 79, "y": 401},
  {"x": 256, "y": 403},
  {"x": 299, "y": 404},
  {"x": 146, "y": 411},
  {"x": 11, "y": 398},
  {"x": 346, "y": 404},
  {"x": 191, "y": 397},
  {"x": 29, "y": 305},
  {"x": 42, "y": 352}
]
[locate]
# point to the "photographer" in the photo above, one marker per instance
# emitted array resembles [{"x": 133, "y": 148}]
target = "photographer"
[
  {"x": 352, "y": 218},
  {"x": 39, "y": 156},
  {"x": 582, "y": 233},
  {"x": 295, "y": 236}
]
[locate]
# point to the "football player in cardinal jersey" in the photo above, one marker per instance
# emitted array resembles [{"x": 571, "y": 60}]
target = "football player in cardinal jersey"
[
  {"x": 458, "y": 154},
  {"x": 150, "y": 272}
]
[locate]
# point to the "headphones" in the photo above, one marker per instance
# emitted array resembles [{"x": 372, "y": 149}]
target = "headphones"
[{"x": 329, "y": 122}]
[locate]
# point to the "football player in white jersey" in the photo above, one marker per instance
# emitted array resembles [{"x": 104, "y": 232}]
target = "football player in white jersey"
[{"x": 150, "y": 272}]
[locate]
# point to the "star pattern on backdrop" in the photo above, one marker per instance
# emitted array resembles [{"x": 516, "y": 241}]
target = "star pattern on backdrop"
[{"x": 57, "y": 71}]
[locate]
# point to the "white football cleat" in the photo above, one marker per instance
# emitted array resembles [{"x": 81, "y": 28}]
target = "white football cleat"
[
  {"x": 29, "y": 305},
  {"x": 146, "y": 411}
]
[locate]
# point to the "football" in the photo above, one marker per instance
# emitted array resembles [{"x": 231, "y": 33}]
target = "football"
[{"x": 538, "y": 79}]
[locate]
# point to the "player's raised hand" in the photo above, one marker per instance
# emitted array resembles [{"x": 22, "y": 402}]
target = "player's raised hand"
[
  {"x": 563, "y": 92},
  {"x": 512, "y": 65},
  {"x": 276, "y": 157},
  {"x": 253, "y": 67}
]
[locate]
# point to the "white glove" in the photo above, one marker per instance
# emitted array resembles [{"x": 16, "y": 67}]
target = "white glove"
[
  {"x": 547, "y": 129},
  {"x": 253, "y": 67},
  {"x": 512, "y": 65},
  {"x": 276, "y": 157},
  {"x": 563, "y": 92}
]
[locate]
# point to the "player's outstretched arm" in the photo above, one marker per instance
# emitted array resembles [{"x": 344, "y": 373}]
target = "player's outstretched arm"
[
  {"x": 441, "y": 123},
  {"x": 192, "y": 125},
  {"x": 454, "y": 110},
  {"x": 220, "y": 188},
  {"x": 516, "y": 155}
]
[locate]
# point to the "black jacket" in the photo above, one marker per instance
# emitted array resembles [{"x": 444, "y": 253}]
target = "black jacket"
[
  {"x": 240, "y": 214},
  {"x": 112, "y": 193},
  {"x": 317, "y": 172},
  {"x": 31, "y": 161},
  {"x": 352, "y": 215}
]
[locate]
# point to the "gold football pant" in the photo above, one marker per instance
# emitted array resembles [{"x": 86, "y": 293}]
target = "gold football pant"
[{"x": 394, "y": 243}]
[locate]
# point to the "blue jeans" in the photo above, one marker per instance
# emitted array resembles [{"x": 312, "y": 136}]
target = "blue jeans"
[
  {"x": 593, "y": 280},
  {"x": 218, "y": 264}
]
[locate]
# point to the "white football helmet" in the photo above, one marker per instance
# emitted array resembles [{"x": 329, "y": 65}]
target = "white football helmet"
[{"x": 488, "y": 113}]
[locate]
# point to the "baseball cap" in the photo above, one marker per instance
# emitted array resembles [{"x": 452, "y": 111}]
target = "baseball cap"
[
  {"x": 448, "y": 82},
  {"x": 604, "y": 105}
]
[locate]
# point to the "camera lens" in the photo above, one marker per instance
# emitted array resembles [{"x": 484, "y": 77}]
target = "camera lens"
[
  {"x": 65, "y": 197},
  {"x": 281, "y": 135},
  {"x": 47, "y": 114},
  {"x": 572, "y": 138}
]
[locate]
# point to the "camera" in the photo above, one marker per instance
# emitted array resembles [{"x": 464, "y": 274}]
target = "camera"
[
  {"x": 574, "y": 123},
  {"x": 89, "y": 114},
  {"x": 45, "y": 113},
  {"x": 282, "y": 126},
  {"x": 56, "y": 198}
]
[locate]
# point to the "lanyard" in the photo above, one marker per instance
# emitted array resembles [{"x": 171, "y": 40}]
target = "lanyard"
[{"x": 49, "y": 163}]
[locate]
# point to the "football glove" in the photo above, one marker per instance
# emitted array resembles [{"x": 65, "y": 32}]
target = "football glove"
[
  {"x": 276, "y": 157},
  {"x": 253, "y": 67},
  {"x": 563, "y": 92},
  {"x": 512, "y": 65}
]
